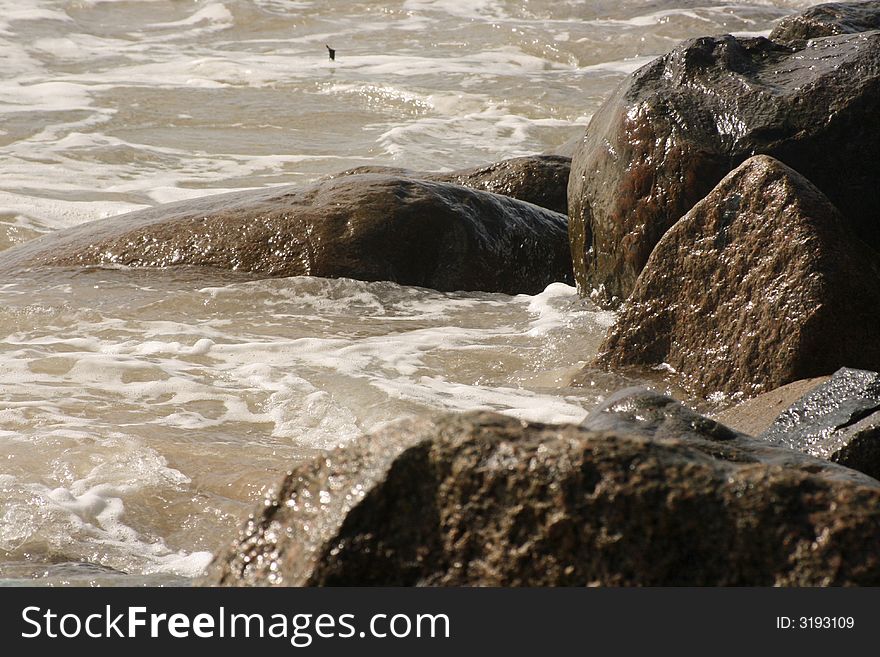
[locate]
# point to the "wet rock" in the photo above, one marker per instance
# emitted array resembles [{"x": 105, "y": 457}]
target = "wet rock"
[
  {"x": 677, "y": 126},
  {"x": 754, "y": 416},
  {"x": 839, "y": 420},
  {"x": 538, "y": 179},
  {"x": 760, "y": 284},
  {"x": 828, "y": 20},
  {"x": 858, "y": 446},
  {"x": 484, "y": 499},
  {"x": 643, "y": 411},
  {"x": 366, "y": 227}
]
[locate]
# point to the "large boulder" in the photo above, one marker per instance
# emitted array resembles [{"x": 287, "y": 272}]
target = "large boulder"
[
  {"x": 762, "y": 283},
  {"x": 837, "y": 420},
  {"x": 677, "y": 126},
  {"x": 538, "y": 179},
  {"x": 828, "y": 20},
  {"x": 484, "y": 499},
  {"x": 366, "y": 227}
]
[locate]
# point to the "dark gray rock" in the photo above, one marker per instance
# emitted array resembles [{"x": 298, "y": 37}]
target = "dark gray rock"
[
  {"x": 646, "y": 412},
  {"x": 858, "y": 446},
  {"x": 756, "y": 415},
  {"x": 838, "y": 420},
  {"x": 677, "y": 126},
  {"x": 484, "y": 499},
  {"x": 761, "y": 284},
  {"x": 828, "y": 20},
  {"x": 538, "y": 179},
  {"x": 366, "y": 227},
  {"x": 639, "y": 410}
]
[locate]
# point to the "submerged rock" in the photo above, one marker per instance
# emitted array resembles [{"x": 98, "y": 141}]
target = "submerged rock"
[
  {"x": 677, "y": 126},
  {"x": 838, "y": 420},
  {"x": 365, "y": 227},
  {"x": 760, "y": 284},
  {"x": 538, "y": 179},
  {"x": 484, "y": 499},
  {"x": 828, "y": 20}
]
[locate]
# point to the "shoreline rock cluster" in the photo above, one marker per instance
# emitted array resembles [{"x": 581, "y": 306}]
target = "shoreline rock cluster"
[
  {"x": 680, "y": 124},
  {"x": 725, "y": 195},
  {"x": 645, "y": 492}
]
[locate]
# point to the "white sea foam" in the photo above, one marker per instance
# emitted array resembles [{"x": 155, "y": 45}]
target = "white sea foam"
[
  {"x": 394, "y": 97},
  {"x": 86, "y": 516},
  {"x": 623, "y": 66},
  {"x": 215, "y": 373},
  {"x": 213, "y": 12},
  {"x": 487, "y": 129},
  {"x": 474, "y": 9},
  {"x": 558, "y": 307}
]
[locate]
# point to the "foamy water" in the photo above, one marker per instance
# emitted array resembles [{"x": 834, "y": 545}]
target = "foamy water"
[{"x": 143, "y": 413}]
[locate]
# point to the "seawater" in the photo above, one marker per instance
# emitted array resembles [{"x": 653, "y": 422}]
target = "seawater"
[{"x": 143, "y": 413}]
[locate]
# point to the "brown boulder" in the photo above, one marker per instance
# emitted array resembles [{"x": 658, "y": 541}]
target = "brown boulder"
[
  {"x": 484, "y": 499},
  {"x": 366, "y": 227},
  {"x": 759, "y": 285},
  {"x": 677, "y": 126},
  {"x": 538, "y": 179}
]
